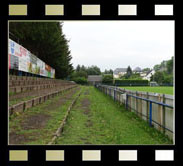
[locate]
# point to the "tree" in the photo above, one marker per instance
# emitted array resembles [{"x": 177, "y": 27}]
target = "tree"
[
  {"x": 128, "y": 72},
  {"x": 93, "y": 70},
  {"x": 79, "y": 74},
  {"x": 135, "y": 76},
  {"x": 164, "y": 72},
  {"x": 168, "y": 79},
  {"x": 146, "y": 69},
  {"x": 158, "y": 77},
  {"x": 47, "y": 41},
  {"x": 157, "y": 67},
  {"x": 108, "y": 71},
  {"x": 78, "y": 68},
  {"x": 170, "y": 66},
  {"x": 107, "y": 79}
]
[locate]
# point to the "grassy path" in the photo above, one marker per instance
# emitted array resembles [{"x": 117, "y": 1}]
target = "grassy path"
[
  {"x": 97, "y": 119},
  {"x": 159, "y": 89}
]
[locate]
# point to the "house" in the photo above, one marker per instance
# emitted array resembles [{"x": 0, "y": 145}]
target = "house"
[
  {"x": 143, "y": 74},
  {"x": 94, "y": 79},
  {"x": 149, "y": 75},
  {"x": 137, "y": 70},
  {"x": 119, "y": 72}
]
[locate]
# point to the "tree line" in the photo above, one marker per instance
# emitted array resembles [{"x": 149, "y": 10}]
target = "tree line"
[
  {"x": 47, "y": 41},
  {"x": 164, "y": 72},
  {"x": 81, "y": 72}
]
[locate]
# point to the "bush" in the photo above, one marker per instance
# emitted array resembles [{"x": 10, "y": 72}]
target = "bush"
[
  {"x": 80, "y": 80},
  {"x": 79, "y": 74},
  {"x": 107, "y": 79},
  {"x": 131, "y": 82},
  {"x": 163, "y": 78}
]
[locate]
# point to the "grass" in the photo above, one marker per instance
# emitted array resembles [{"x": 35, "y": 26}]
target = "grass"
[
  {"x": 109, "y": 123},
  {"x": 43, "y": 135},
  {"x": 159, "y": 89},
  {"x": 16, "y": 101},
  {"x": 11, "y": 93}
]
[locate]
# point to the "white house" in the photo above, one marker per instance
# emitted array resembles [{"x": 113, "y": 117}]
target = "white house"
[
  {"x": 143, "y": 74},
  {"x": 118, "y": 72},
  {"x": 149, "y": 75}
]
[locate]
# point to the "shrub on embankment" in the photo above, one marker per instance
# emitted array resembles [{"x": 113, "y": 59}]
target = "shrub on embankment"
[
  {"x": 107, "y": 79},
  {"x": 80, "y": 80},
  {"x": 131, "y": 82}
]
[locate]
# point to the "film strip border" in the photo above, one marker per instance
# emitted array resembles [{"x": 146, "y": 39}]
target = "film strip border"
[
  {"x": 131, "y": 10},
  {"x": 89, "y": 155},
  {"x": 62, "y": 9}
]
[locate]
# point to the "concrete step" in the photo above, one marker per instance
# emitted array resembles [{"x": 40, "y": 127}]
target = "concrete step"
[
  {"x": 14, "y": 83},
  {"x": 24, "y": 88},
  {"x": 22, "y": 106}
]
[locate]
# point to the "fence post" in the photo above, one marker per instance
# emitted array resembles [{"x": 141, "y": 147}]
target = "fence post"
[
  {"x": 126, "y": 101},
  {"x": 117, "y": 96},
  {"x": 164, "y": 116},
  {"x": 114, "y": 94},
  {"x": 160, "y": 113},
  {"x": 150, "y": 113},
  {"x": 140, "y": 105},
  {"x": 147, "y": 109},
  {"x": 137, "y": 104},
  {"x": 120, "y": 98},
  {"x": 131, "y": 101}
]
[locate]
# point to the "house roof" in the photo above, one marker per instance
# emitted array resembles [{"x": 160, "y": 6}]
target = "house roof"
[
  {"x": 95, "y": 78},
  {"x": 119, "y": 70},
  {"x": 149, "y": 72},
  {"x": 137, "y": 69}
]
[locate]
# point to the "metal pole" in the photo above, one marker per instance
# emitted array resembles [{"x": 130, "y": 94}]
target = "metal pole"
[{"x": 150, "y": 113}]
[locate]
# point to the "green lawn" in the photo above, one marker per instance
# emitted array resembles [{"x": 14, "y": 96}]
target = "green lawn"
[
  {"x": 97, "y": 119},
  {"x": 159, "y": 89}
]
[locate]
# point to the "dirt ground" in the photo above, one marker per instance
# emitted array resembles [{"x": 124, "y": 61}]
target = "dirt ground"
[
  {"x": 85, "y": 106},
  {"x": 37, "y": 121}
]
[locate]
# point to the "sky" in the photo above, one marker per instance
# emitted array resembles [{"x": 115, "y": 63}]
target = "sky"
[{"x": 119, "y": 44}]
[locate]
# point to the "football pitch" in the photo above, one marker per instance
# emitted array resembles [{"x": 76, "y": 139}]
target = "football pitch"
[{"x": 158, "y": 89}]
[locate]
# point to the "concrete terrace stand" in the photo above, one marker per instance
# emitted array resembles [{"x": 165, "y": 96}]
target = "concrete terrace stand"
[{"x": 19, "y": 84}]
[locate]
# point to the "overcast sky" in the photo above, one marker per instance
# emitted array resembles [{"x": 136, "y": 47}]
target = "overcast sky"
[{"x": 117, "y": 44}]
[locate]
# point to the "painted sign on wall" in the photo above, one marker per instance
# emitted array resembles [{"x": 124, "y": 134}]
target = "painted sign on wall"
[{"x": 23, "y": 60}]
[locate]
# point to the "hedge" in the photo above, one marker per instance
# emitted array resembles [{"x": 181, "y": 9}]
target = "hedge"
[
  {"x": 131, "y": 82},
  {"x": 80, "y": 80}
]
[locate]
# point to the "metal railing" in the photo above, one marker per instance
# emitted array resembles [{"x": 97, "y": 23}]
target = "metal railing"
[
  {"x": 108, "y": 90},
  {"x": 150, "y": 108}
]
